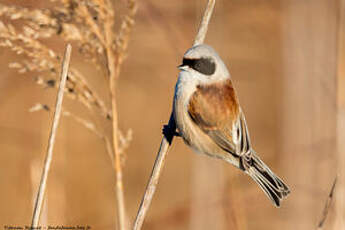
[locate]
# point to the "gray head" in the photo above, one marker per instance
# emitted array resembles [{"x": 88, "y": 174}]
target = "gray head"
[{"x": 204, "y": 62}]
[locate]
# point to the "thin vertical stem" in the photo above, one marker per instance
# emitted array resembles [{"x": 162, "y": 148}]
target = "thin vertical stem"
[
  {"x": 49, "y": 154},
  {"x": 168, "y": 137},
  {"x": 200, "y": 37},
  {"x": 154, "y": 178},
  {"x": 113, "y": 73},
  {"x": 118, "y": 169}
]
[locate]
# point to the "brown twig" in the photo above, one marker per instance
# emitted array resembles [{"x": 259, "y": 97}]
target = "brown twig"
[
  {"x": 49, "y": 154},
  {"x": 327, "y": 205},
  {"x": 168, "y": 136}
]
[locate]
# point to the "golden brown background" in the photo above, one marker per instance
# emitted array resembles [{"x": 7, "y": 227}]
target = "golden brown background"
[{"x": 283, "y": 58}]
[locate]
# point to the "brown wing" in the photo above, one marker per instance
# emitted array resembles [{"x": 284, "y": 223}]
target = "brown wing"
[{"x": 215, "y": 109}]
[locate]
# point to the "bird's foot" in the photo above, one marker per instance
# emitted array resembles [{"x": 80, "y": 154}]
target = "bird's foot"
[{"x": 169, "y": 132}]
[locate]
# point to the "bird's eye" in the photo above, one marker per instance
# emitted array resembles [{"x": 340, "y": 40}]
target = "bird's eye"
[{"x": 202, "y": 65}]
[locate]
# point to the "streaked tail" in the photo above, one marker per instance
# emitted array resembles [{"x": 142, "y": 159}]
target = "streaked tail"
[{"x": 272, "y": 185}]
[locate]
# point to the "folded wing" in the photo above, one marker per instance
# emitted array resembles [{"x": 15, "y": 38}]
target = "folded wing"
[{"x": 215, "y": 110}]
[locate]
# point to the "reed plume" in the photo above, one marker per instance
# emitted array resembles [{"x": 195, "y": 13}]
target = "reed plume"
[{"x": 90, "y": 26}]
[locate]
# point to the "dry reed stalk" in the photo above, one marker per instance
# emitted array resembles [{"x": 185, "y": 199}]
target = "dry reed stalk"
[
  {"x": 327, "y": 205},
  {"x": 168, "y": 135},
  {"x": 51, "y": 142},
  {"x": 114, "y": 62},
  {"x": 200, "y": 37},
  {"x": 121, "y": 211}
]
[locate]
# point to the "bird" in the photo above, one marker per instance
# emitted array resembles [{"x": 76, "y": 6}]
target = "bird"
[{"x": 210, "y": 120}]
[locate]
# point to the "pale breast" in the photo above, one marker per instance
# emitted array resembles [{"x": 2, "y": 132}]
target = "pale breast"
[{"x": 185, "y": 87}]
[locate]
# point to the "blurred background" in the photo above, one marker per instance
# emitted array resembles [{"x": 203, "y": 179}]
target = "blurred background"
[{"x": 283, "y": 56}]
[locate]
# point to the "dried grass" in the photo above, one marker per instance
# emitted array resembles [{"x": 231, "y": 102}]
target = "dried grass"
[{"x": 90, "y": 26}]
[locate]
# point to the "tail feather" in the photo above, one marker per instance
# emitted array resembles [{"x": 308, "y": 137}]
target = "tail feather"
[{"x": 272, "y": 185}]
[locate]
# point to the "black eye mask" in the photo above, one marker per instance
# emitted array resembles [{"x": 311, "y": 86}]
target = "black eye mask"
[{"x": 202, "y": 65}]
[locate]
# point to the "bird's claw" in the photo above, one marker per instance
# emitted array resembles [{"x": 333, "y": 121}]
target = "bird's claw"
[{"x": 167, "y": 131}]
